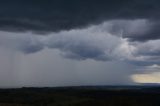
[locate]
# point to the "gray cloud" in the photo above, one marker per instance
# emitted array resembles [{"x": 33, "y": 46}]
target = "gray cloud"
[
  {"x": 147, "y": 53},
  {"x": 134, "y": 30},
  {"x": 148, "y": 30},
  {"x": 88, "y": 45},
  {"x": 24, "y": 42}
]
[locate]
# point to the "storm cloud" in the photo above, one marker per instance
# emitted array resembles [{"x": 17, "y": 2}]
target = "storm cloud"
[
  {"x": 57, "y": 15},
  {"x": 98, "y": 42}
]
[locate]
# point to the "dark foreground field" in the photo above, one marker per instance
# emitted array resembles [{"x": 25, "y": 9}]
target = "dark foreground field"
[{"x": 81, "y": 96}]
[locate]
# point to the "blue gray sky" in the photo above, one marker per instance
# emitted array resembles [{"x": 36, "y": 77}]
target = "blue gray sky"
[{"x": 79, "y": 42}]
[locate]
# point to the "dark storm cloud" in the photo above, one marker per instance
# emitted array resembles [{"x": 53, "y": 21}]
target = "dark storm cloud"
[
  {"x": 52, "y": 15},
  {"x": 57, "y": 15},
  {"x": 152, "y": 32},
  {"x": 135, "y": 30}
]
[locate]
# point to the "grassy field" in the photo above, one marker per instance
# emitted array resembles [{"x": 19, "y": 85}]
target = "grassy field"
[{"x": 75, "y": 96}]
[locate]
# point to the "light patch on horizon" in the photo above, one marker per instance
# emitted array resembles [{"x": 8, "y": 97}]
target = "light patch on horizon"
[{"x": 146, "y": 78}]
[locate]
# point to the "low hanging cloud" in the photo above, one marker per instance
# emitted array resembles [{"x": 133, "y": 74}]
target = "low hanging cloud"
[
  {"x": 24, "y": 42},
  {"x": 103, "y": 42},
  {"x": 87, "y": 44}
]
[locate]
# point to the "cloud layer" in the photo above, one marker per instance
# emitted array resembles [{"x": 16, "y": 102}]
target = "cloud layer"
[{"x": 103, "y": 42}]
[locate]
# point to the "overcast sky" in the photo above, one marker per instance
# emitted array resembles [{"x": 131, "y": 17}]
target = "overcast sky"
[{"x": 79, "y": 42}]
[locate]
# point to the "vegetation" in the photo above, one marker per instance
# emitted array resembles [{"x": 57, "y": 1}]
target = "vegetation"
[{"x": 79, "y": 96}]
